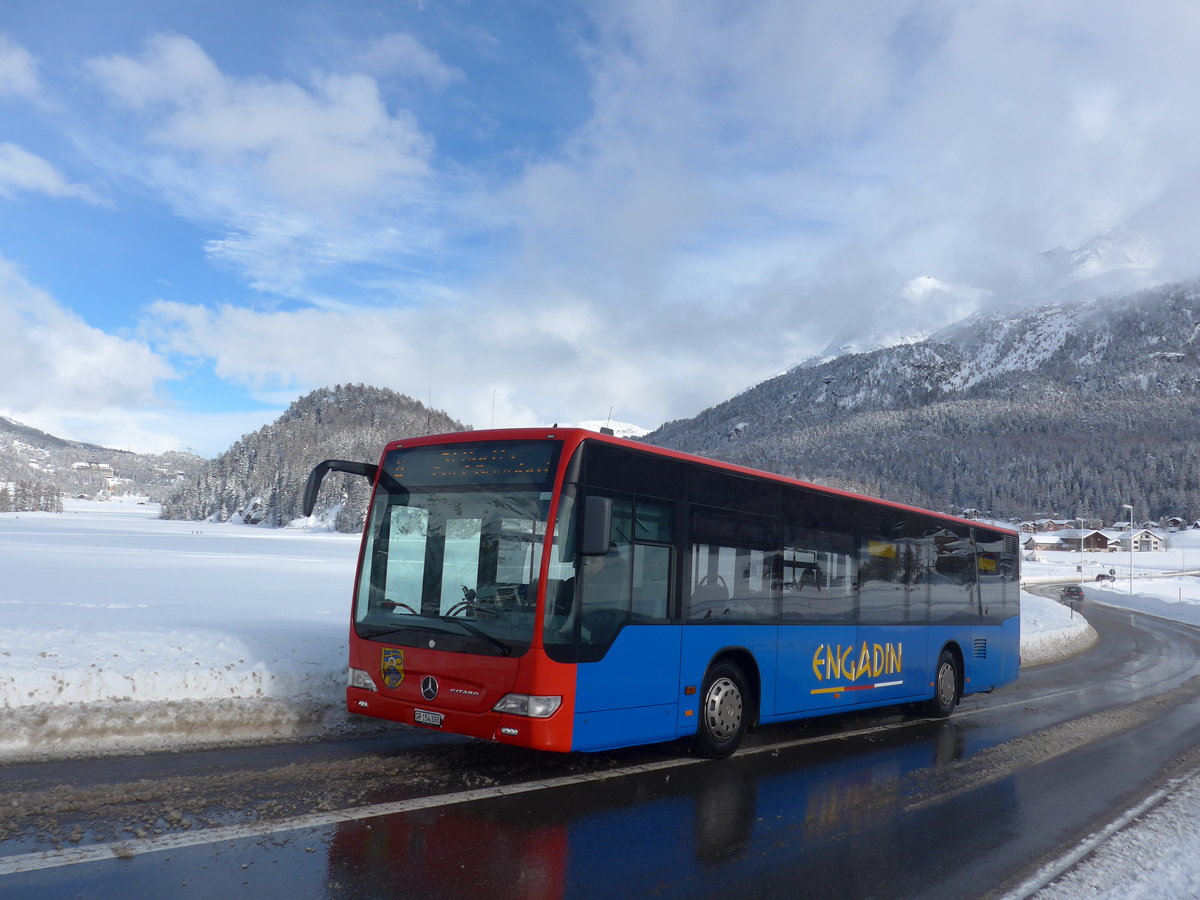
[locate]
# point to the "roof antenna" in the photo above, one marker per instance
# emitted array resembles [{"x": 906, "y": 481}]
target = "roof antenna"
[{"x": 607, "y": 427}]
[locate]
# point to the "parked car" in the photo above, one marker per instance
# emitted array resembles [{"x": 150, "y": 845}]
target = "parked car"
[{"x": 1071, "y": 593}]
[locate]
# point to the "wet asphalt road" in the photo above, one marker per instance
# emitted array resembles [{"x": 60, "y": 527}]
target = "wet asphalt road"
[{"x": 873, "y": 805}]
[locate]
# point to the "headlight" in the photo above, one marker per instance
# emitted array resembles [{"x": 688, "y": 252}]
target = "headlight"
[
  {"x": 360, "y": 679},
  {"x": 525, "y": 705}
]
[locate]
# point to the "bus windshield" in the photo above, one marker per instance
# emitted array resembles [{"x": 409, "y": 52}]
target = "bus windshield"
[{"x": 454, "y": 565}]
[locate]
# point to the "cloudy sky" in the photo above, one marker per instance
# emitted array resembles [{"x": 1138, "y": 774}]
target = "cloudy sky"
[{"x": 532, "y": 212}]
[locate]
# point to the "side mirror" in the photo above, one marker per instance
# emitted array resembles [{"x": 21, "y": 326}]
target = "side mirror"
[
  {"x": 597, "y": 526},
  {"x": 366, "y": 470}
]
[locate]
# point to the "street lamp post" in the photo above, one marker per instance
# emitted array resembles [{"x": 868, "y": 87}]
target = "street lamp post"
[
  {"x": 1079, "y": 521},
  {"x": 1130, "y": 508}
]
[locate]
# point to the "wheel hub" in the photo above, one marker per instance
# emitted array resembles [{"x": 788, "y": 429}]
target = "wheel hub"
[
  {"x": 946, "y": 685},
  {"x": 723, "y": 709}
]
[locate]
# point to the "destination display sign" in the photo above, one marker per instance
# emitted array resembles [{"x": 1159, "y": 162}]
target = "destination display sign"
[{"x": 509, "y": 462}]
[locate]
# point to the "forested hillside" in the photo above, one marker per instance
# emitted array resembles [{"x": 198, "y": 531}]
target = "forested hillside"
[
  {"x": 260, "y": 478},
  {"x": 38, "y": 468},
  {"x": 1071, "y": 409}
]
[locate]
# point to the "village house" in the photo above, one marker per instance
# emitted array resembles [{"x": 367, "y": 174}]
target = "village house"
[
  {"x": 1038, "y": 542},
  {"x": 1051, "y": 525},
  {"x": 1144, "y": 541},
  {"x": 1093, "y": 539},
  {"x": 103, "y": 469}
]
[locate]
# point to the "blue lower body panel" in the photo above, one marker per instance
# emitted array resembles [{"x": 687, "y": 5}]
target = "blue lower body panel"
[{"x": 647, "y": 687}]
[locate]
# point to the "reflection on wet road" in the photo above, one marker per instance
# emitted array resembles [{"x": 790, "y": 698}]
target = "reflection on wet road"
[{"x": 866, "y": 806}]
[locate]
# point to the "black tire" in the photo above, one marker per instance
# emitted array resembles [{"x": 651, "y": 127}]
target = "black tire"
[
  {"x": 946, "y": 681},
  {"x": 725, "y": 711}
]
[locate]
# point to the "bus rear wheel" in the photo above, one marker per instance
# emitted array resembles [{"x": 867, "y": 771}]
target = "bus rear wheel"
[
  {"x": 725, "y": 707},
  {"x": 945, "y": 687}
]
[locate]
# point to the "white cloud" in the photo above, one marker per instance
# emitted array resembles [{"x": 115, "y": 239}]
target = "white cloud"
[
  {"x": 808, "y": 160},
  {"x": 53, "y": 365},
  {"x": 306, "y": 146},
  {"x": 751, "y": 183},
  {"x": 552, "y": 357},
  {"x": 18, "y": 71},
  {"x": 748, "y": 181},
  {"x": 25, "y": 172},
  {"x": 402, "y": 54},
  {"x": 295, "y": 173}
]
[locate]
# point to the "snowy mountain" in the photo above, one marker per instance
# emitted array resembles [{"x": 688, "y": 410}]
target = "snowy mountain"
[
  {"x": 260, "y": 479},
  {"x": 620, "y": 429},
  {"x": 909, "y": 317},
  {"x": 1071, "y": 408},
  {"x": 49, "y": 465},
  {"x": 1118, "y": 262}
]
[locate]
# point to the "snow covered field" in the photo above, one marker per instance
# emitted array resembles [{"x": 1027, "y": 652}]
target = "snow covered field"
[
  {"x": 1152, "y": 850},
  {"x": 123, "y": 632}
]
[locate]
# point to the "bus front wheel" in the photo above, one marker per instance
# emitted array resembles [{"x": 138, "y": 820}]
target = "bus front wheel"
[
  {"x": 945, "y": 686},
  {"x": 724, "y": 711}
]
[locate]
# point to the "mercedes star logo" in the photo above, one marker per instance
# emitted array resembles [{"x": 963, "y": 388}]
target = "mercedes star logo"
[{"x": 429, "y": 687}]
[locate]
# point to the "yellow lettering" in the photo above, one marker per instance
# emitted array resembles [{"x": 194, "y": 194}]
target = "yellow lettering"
[
  {"x": 845, "y": 665},
  {"x": 864, "y": 661},
  {"x": 835, "y": 662}
]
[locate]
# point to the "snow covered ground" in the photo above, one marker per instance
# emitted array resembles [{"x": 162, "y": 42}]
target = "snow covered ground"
[
  {"x": 1152, "y": 850},
  {"x": 123, "y": 632}
]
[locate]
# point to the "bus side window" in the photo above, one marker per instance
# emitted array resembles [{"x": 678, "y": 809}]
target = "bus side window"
[
  {"x": 653, "y": 536},
  {"x": 884, "y": 563},
  {"x": 632, "y": 582},
  {"x": 954, "y": 595},
  {"x": 605, "y": 580},
  {"x": 733, "y": 567},
  {"x": 997, "y": 567},
  {"x": 818, "y": 577},
  {"x": 820, "y": 558}
]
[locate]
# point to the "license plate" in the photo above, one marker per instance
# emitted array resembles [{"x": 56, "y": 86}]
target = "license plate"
[{"x": 421, "y": 717}]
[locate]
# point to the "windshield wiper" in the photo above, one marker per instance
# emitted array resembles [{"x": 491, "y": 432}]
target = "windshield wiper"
[
  {"x": 472, "y": 630},
  {"x": 406, "y": 627},
  {"x": 504, "y": 649}
]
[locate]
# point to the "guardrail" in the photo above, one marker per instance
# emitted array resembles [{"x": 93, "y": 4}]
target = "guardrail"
[{"x": 1059, "y": 579}]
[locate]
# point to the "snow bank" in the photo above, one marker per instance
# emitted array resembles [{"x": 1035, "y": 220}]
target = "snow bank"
[
  {"x": 120, "y": 631},
  {"x": 1151, "y": 851},
  {"x": 1051, "y": 631}
]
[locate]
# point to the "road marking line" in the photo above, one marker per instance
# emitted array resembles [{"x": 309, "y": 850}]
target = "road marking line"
[
  {"x": 1053, "y": 869},
  {"x": 51, "y": 859}
]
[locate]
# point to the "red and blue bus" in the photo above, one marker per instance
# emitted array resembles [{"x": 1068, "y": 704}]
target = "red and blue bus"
[{"x": 568, "y": 590}]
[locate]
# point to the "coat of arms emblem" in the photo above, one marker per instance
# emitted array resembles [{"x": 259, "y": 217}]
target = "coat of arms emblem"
[{"x": 392, "y": 668}]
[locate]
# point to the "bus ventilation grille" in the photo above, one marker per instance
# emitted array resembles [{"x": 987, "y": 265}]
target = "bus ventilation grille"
[
  {"x": 1010, "y": 545},
  {"x": 981, "y": 648}
]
